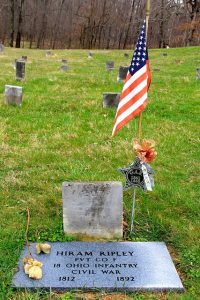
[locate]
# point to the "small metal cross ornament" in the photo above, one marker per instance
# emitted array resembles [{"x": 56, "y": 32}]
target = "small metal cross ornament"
[{"x": 138, "y": 174}]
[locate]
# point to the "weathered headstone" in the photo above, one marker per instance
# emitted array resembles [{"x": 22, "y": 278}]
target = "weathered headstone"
[
  {"x": 24, "y": 58},
  {"x": 20, "y": 70},
  {"x": 125, "y": 266},
  {"x": 198, "y": 73},
  {"x": 49, "y": 53},
  {"x": 64, "y": 67},
  {"x": 93, "y": 209},
  {"x": 90, "y": 55},
  {"x": 111, "y": 99},
  {"x": 126, "y": 55},
  {"x": 13, "y": 95},
  {"x": 110, "y": 65},
  {"x": 122, "y": 73}
]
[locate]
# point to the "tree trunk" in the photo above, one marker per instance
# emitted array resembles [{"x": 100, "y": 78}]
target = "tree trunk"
[
  {"x": 129, "y": 24},
  {"x": 19, "y": 28},
  {"x": 12, "y": 29}
]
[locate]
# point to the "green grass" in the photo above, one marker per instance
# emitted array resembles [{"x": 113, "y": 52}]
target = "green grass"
[{"x": 62, "y": 133}]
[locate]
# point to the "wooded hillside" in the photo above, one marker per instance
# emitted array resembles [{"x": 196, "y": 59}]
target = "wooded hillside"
[{"x": 97, "y": 23}]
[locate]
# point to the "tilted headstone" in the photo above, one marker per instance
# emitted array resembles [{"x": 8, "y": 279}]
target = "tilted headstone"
[
  {"x": 13, "y": 95},
  {"x": 125, "y": 266},
  {"x": 198, "y": 73},
  {"x": 93, "y": 209},
  {"x": 110, "y": 65},
  {"x": 111, "y": 99},
  {"x": 20, "y": 70},
  {"x": 126, "y": 55},
  {"x": 49, "y": 53},
  {"x": 122, "y": 73}
]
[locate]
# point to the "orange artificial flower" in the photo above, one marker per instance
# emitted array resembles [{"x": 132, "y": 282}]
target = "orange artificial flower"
[{"x": 145, "y": 151}]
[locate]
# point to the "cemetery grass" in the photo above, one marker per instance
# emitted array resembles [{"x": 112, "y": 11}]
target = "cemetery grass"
[{"x": 62, "y": 133}]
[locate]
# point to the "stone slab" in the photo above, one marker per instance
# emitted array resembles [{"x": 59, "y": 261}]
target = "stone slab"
[
  {"x": 126, "y": 266},
  {"x": 111, "y": 99},
  {"x": 93, "y": 209}
]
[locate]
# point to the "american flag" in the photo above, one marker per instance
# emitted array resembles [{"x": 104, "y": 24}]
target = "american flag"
[{"x": 133, "y": 98}]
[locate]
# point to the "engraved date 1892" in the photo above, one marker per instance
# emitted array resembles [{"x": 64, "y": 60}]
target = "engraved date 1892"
[{"x": 125, "y": 278}]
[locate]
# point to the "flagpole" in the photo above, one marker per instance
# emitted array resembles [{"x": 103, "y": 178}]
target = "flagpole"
[
  {"x": 147, "y": 22},
  {"x": 140, "y": 115}
]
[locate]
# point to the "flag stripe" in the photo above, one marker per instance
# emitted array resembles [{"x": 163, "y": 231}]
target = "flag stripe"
[
  {"x": 133, "y": 98},
  {"x": 133, "y": 85},
  {"x": 133, "y": 92},
  {"x": 129, "y": 111},
  {"x": 134, "y": 77},
  {"x": 129, "y": 117}
]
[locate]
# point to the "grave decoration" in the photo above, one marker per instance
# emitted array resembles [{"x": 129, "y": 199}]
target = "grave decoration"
[{"x": 132, "y": 102}]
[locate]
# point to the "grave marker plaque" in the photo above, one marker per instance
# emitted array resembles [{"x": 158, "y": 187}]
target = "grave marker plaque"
[{"x": 126, "y": 266}]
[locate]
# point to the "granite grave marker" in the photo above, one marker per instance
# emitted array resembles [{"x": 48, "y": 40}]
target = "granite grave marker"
[{"x": 126, "y": 266}]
